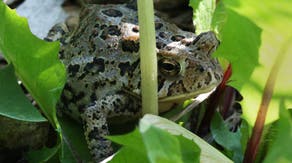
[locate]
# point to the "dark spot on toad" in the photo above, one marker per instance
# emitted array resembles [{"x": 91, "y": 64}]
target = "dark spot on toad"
[
  {"x": 112, "y": 13},
  {"x": 93, "y": 97},
  {"x": 198, "y": 38},
  {"x": 48, "y": 39},
  {"x": 95, "y": 116},
  {"x": 160, "y": 45},
  {"x": 103, "y": 26},
  {"x": 169, "y": 48},
  {"x": 177, "y": 38},
  {"x": 96, "y": 25},
  {"x": 162, "y": 35},
  {"x": 73, "y": 69},
  {"x": 113, "y": 82},
  {"x": 130, "y": 46},
  {"x": 160, "y": 84},
  {"x": 61, "y": 54},
  {"x": 135, "y": 29},
  {"x": 200, "y": 68},
  {"x": 104, "y": 127},
  {"x": 158, "y": 25},
  {"x": 128, "y": 68},
  {"x": 99, "y": 63},
  {"x": 79, "y": 96},
  {"x": 199, "y": 85},
  {"x": 81, "y": 108},
  {"x": 94, "y": 134},
  {"x": 114, "y": 30},
  {"x": 124, "y": 67},
  {"x": 103, "y": 35},
  {"x": 88, "y": 67},
  {"x": 82, "y": 76}
]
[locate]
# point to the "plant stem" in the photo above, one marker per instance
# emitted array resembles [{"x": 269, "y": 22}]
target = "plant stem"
[{"x": 148, "y": 57}]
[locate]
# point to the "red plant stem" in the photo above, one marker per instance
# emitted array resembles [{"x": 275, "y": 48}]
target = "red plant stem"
[
  {"x": 254, "y": 141},
  {"x": 253, "y": 144},
  {"x": 226, "y": 77}
]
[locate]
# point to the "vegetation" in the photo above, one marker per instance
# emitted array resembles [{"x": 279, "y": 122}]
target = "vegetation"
[{"x": 255, "y": 45}]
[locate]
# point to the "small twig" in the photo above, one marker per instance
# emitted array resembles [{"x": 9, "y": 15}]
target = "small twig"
[{"x": 190, "y": 107}]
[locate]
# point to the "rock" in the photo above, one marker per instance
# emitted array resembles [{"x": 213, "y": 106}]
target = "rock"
[{"x": 17, "y": 134}]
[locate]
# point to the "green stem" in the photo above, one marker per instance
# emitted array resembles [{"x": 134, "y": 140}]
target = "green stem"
[{"x": 148, "y": 57}]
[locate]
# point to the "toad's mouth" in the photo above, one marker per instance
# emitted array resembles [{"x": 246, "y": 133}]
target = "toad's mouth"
[{"x": 183, "y": 97}]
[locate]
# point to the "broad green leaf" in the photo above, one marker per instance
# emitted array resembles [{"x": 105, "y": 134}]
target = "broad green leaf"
[
  {"x": 160, "y": 145},
  {"x": 151, "y": 144},
  {"x": 229, "y": 140},
  {"x": 274, "y": 18},
  {"x": 73, "y": 141},
  {"x": 66, "y": 154},
  {"x": 219, "y": 18},
  {"x": 129, "y": 155},
  {"x": 132, "y": 143},
  {"x": 132, "y": 140},
  {"x": 208, "y": 153},
  {"x": 42, "y": 155},
  {"x": 280, "y": 150},
  {"x": 35, "y": 61},
  {"x": 245, "y": 133},
  {"x": 203, "y": 14},
  {"x": 241, "y": 51},
  {"x": 13, "y": 102},
  {"x": 189, "y": 150}
]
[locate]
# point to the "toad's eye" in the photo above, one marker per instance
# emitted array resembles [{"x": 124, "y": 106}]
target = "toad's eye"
[{"x": 169, "y": 67}]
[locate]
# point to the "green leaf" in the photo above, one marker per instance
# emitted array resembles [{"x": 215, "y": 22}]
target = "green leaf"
[
  {"x": 132, "y": 140},
  {"x": 66, "y": 155},
  {"x": 129, "y": 155},
  {"x": 132, "y": 143},
  {"x": 73, "y": 141},
  {"x": 207, "y": 154},
  {"x": 42, "y": 155},
  {"x": 35, "y": 61},
  {"x": 219, "y": 18},
  {"x": 13, "y": 102},
  {"x": 152, "y": 144},
  {"x": 203, "y": 14},
  {"x": 241, "y": 52},
  {"x": 250, "y": 71},
  {"x": 280, "y": 150},
  {"x": 245, "y": 133},
  {"x": 161, "y": 146},
  {"x": 189, "y": 150},
  {"x": 229, "y": 140}
]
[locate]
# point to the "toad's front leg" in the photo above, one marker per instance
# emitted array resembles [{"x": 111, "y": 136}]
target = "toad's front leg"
[{"x": 95, "y": 123}]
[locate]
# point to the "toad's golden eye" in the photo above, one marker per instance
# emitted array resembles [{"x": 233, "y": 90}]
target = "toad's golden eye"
[{"x": 168, "y": 67}]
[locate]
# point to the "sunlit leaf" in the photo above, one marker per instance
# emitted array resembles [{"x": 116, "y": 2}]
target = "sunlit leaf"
[
  {"x": 35, "y": 61},
  {"x": 203, "y": 14},
  {"x": 280, "y": 150},
  {"x": 274, "y": 18}
]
